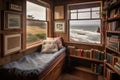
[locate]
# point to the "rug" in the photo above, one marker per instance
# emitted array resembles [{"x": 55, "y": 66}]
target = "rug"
[{"x": 68, "y": 77}]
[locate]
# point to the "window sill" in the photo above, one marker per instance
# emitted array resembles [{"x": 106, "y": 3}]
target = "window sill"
[
  {"x": 83, "y": 43},
  {"x": 33, "y": 45}
]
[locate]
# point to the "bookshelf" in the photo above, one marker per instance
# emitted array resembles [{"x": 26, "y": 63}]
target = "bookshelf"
[
  {"x": 113, "y": 18},
  {"x": 112, "y": 67},
  {"x": 90, "y": 61},
  {"x": 85, "y": 69},
  {"x": 113, "y": 32},
  {"x": 112, "y": 39},
  {"x": 84, "y": 58},
  {"x": 117, "y": 52}
]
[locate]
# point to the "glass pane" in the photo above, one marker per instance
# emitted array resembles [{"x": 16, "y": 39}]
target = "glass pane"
[
  {"x": 73, "y": 15},
  {"x": 86, "y": 9},
  {"x": 95, "y": 14},
  {"x": 73, "y": 10},
  {"x": 36, "y": 31},
  {"x": 85, "y": 15},
  {"x": 95, "y": 8},
  {"x": 35, "y": 11},
  {"x": 82, "y": 32}
]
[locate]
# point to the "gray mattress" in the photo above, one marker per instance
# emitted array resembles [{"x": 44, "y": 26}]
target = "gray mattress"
[{"x": 28, "y": 67}]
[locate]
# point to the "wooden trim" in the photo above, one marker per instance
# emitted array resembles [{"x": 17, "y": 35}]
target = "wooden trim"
[
  {"x": 24, "y": 25},
  {"x": 52, "y": 66},
  {"x": 101, "y": 45},
  {"x": 102, "y": 31},
  {"x": 110, "y": 66},
  {"x": 88, "y": 59},
  {"x": 36, "y": 44},
  {"x": 86, "y": 3}
]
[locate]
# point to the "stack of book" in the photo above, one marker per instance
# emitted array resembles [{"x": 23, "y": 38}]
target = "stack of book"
[
  {"x": 87, "y": 53},
  {"x": 112, "y": 59},
  {"x": 114, "y": 26},
  {"x": 98, "y": 68},
  {"x": 113, "y": 42},
  {"x": 78, "y": 52},
  {"x": 92, "y": 54},
  {"x": 117, "y": 66},
  {"x": 96, "y": 54},
  {"x": 71, "y": 50},
  {"x": 109, "y": 58}
]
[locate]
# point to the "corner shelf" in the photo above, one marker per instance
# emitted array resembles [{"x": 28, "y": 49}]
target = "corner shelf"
[
  {"x": 117, "y": 71},
  {"x": 113, "y": 32},
  {"x": 113, "y": 50},
  {"x": 113, "y": 18},
  {"x": 94, "y": 60},
  {"x": 86, "y": 70},
  {"x": 115, "y": 5}
]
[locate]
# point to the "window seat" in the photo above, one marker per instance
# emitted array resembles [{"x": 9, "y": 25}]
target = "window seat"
[{"x": 33, "y": 67}]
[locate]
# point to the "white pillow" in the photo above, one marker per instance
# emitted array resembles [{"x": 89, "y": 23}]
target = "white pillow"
[{"x": 49, "y": 46}]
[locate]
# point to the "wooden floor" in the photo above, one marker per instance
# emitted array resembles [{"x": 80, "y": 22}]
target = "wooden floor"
[
  {"x": 69, "y": 76},
  {"x": 79, "y": 75}
]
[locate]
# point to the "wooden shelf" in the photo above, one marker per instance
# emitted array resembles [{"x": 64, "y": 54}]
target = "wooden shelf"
[
  {"x": 115, "y": 5},
  {"x": 113, "y": 32},
  {"x": 94, "y": 60},
  {"x": 117, "y": 71},
  {"x": 113, "y": 50},
  {"x": 85, "y": 69},
  {"x": 113, "y": 18}
]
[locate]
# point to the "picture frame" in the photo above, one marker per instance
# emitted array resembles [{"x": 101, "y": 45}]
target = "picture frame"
[
  {"x": 14, "y": 7},
  {"x": 59, "y": 12},
  {"x": 59, "y": 26},
  {"x": 11, "y": 43},
  {"x": 12, "y": 20}
]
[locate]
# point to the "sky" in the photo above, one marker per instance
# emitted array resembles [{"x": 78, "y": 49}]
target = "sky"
[{"x": 37, "y": 11}]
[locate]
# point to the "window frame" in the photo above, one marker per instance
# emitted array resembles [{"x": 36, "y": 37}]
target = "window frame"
[
  {"x": 101, "y": 27},
  {"x": 37, "y": 43}
]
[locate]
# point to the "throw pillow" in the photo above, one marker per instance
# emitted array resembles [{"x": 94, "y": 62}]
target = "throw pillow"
[
  {"x": 58, "y": 39},
  {"x": 49, "y": 46}
]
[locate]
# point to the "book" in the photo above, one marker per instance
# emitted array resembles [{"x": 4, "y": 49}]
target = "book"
[
  {"x": 115, "y": 59},
  {"x": 114, "y": 26},
  {"x": 77, "y": 52},
  {"x": 96, "y": 54},
  {"x": 118, "y": 68},
  {"x": 71, "y": 50},
  {"x": 100, "y": 69},
  {"x": 109, "y": 58},
  {"x": 113, "y": 41},
  {"x": 117, "y": 64}
]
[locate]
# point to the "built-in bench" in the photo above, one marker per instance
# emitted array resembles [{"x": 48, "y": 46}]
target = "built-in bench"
[{"x": 35, "y": 66}]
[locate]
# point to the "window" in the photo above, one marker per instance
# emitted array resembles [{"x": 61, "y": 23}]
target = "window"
[
  {"x": 85, "y": 22},
  {"x": 36, "y": 23}
]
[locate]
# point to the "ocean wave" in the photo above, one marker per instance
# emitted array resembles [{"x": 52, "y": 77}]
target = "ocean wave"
[{"x": 84, "y": 36}]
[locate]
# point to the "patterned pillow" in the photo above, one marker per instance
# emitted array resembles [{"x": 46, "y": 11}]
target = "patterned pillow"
[
  {"x": 58, "y": 39},
  {"x": 49, "y": 46}
]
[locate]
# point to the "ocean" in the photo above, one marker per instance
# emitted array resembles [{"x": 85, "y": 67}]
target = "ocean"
[{"x": 85, "y": 33}]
